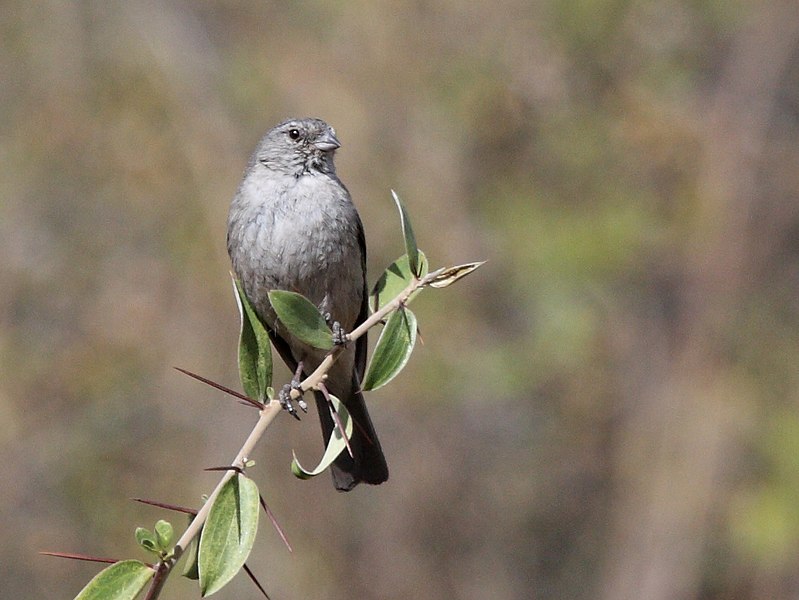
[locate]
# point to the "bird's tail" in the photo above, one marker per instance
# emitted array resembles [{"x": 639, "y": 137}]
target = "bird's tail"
[{"x": 368, "y": 465}]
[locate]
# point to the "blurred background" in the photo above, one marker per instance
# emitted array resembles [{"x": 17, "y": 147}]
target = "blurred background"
[{"x": 608, "y": 409}]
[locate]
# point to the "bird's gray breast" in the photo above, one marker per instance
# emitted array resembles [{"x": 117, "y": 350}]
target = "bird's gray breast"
[{"x": 298, "y": 234}]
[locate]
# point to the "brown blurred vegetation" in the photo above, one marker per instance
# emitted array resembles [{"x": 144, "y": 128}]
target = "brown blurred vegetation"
[{"x": 608, "y": 409}]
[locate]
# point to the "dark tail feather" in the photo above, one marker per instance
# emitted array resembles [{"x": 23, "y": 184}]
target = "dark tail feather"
[{"x": 369, "y": 464}]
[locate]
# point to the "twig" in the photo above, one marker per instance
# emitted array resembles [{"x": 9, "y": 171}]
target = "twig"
[
  {"x": 314, "y": 379},
  {"x": 267, "y": 414}
]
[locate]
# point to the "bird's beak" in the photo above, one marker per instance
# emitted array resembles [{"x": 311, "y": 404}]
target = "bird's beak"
[{"x": 327, "y": 141}]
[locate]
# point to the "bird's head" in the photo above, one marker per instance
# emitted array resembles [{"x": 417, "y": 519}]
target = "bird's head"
[{"x": 299, "y": 146}]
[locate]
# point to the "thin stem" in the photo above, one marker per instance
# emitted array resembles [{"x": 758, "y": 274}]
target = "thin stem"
[
  {"x": 267, "y": 415},
  {"x": 318, "y": 376}
]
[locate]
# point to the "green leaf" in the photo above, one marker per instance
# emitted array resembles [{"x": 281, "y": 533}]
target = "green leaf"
[
  {"x": 146, "y": 539},
  {"x": 164, "y": 534},
  {"x": 410, "y": 240},
  {"x": 191, "y": 569},
  {"x": 121, "y": 581},
  {"x": 335, "y": 446},
  {"x": 255, "y": 353},
  {"x": 396, "y": 278},
  {"x": 229, "y": 533},
  {"x": 301, "y": 318},
  {"x": 393, "y": 349},
  {"x": 452, "y": 274}
]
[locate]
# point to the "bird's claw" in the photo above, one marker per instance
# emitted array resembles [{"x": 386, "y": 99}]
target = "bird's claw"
[
  {"x": 295, "y": 385},
  {"x": 340, "y": 337},
  {"x": 285, "y": 399}
]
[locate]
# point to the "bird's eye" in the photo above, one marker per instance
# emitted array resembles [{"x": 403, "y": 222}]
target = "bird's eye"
[{"x": 294, "y": 134}]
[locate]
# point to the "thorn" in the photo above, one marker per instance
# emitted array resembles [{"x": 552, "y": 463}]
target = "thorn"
[
  {"x": 85, "y": 557},
  {"x": 238, "y": 470},
  {"x": 255, "y": 581},
  {"x": 275, "y": 524},
  {"x": 175, "y": 507},
  {"x": 246, "y": 399}
]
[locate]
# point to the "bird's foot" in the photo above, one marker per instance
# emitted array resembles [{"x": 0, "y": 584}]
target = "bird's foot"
[
  {"x": 340, "y": 337},
  {"x": 285, "y": 395},
  {"x": 285, "y": 401}
]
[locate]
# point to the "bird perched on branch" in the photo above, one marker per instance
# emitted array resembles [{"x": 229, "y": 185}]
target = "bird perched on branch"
[{"x": 292, "y": 226}]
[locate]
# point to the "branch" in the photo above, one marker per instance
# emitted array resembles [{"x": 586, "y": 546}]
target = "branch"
[
  {"x": 318, "y": 376},
  {"x": 267, "y": 415}
]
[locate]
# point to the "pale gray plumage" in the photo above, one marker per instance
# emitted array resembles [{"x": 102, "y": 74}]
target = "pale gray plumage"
[{"x": 292, "y": 226}]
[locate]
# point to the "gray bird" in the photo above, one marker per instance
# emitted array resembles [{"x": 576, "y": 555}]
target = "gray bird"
[{"x": 292, "y": 226}]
